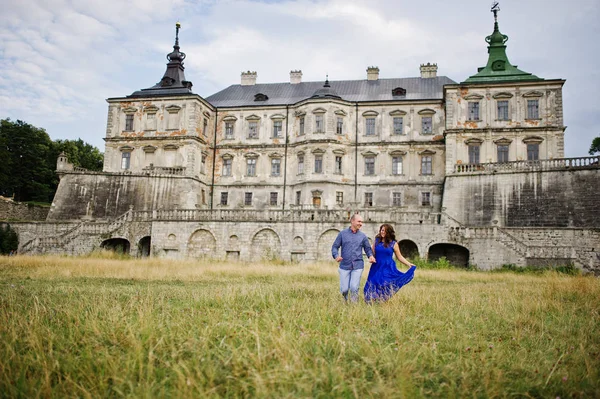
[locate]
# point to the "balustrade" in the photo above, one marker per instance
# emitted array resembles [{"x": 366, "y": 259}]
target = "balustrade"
[{"x": 542, "y": 164}]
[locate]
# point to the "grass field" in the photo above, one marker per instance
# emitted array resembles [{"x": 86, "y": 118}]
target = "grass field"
[{"x": 102, "y": 327}]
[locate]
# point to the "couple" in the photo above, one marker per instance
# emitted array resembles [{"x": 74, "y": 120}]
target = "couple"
[{"x": 384, "y": 278}]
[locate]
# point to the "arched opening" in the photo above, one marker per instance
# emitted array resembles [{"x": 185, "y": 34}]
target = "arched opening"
[
  {"x": 455, "y": 254},
  {"x": 202, "y": 244},
  {"x": 266, "y": 245},
  {"x": 144, "y": 247},
  {"x": 324, "y": 244},
  {"x": 408, "y": 249},
  {"x": 118, "y": 245}
]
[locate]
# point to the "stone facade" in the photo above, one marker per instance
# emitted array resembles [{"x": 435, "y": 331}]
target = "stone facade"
[
  {"x": 473, "y": 171},
  {"x": 10, "y": 210}
]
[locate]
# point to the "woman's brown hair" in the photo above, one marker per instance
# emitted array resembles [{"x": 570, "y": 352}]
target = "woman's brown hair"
[{"x": 390, "y": 234}]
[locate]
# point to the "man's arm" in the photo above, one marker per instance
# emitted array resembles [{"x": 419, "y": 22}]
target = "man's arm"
[
  {"x": 368, "y": 250},
  {"x": 335, "y": 248}
]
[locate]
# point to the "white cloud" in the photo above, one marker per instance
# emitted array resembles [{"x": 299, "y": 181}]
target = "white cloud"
[{"x": 59, "y": 59}]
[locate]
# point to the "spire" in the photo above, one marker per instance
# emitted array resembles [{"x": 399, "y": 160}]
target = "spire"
[
  {"x": 499, "y": 68},
  {"x": 326, "y": 91},
  {"x": 173, "y": 81}
]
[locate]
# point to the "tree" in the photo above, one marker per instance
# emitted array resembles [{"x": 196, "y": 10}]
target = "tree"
[
  {"x": 9, "y": 239},
  {"x": 595, "y": 147},
  {"x": 80, "y": 153}
]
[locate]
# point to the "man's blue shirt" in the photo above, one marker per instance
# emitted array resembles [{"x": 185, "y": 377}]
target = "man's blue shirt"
[{"x": 352, "y": 247}]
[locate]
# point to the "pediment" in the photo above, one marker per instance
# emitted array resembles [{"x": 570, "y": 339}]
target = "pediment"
[
  {"x": 206, "y": 114},
  {"x": 397, "y": 152},
  {"x": 275, "y": 155},
  {"x": 319, "y": 111},
  {"x": 340, "y": 112},
  {"x": 130, "y": 110},
  {"x": 473, "y": 97},
  {"x": 251, "y": 155},
  {"x": 151, "y": 109},
  {"x": 149, "y": 149},
  {"x": 253, "y": 117},
  {"x": 229, "y": 118},
  {"x": 533, "y": 140},
  {"x": 126, "y": 148},
  {"x": 426, "y": 111},
  {"x": 173, "y": 109},
  {"x": 502, "y": 95},
  {"x": 318, "y": 151},
  {"x": 473, "y": 141},
  {"x": 533, "y": 93},
  {"x": 300, "y": 113},
  {"x": 370, "y": 113},
  {"x": 227, "y": 156},
  {"x": 369, "y": 154},
  {"x": 170, "y": 147},
  {"x": 427, "y": 152},
  {"x": 278, "y": 117},
  {"x": 503, "y": 141},
  {"x": 339, "y": 152},
  {"x": 397, "y": 112}
]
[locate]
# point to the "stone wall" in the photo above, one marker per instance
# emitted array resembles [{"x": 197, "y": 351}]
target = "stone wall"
[
  {"x": 535, "y": 198},
  {"x": 106, "y": 196},
  {"x": 10, "y": 210}
]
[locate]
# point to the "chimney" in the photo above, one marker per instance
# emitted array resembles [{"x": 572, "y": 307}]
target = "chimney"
[
  {"x": 373, "y": 73},
  {"x": 295, "y": 77},
  {"x": 248, "y": 78},
  {"x": 428, "y": 70}
]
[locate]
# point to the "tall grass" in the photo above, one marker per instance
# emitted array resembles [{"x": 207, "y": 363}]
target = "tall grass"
[{"x": 104, "y": 327}]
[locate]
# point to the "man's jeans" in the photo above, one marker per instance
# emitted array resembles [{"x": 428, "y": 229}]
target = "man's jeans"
[{"x": 349, "y": 281}]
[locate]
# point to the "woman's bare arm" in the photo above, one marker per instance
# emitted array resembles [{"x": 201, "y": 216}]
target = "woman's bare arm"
[{"x": 399, "y": 256}]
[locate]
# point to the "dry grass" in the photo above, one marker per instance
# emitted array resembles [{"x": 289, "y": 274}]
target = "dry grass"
[{"x": 103, "y": 326}]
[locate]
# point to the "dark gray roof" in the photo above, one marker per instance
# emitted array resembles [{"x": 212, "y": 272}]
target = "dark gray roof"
[{"x": 349, "y": 90}]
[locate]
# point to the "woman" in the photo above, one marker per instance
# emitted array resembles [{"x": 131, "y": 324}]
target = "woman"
[{"x": 384, "y": 279}]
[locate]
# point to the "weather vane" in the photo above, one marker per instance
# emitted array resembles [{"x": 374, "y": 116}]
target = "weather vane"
[{"x": 495, "y": 9}]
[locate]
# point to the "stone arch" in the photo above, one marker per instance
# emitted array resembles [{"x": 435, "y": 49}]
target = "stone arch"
[
  {"x": 144, "y": 246},
  {"x": 324, "y": 245},
  {"x": 457, "y": 255},
  {"x": 201, "y": 244},
  {"x": 118, "y": 245},
  {"x": 408, "y": 249},
  {"x": 266, "y": 245}
]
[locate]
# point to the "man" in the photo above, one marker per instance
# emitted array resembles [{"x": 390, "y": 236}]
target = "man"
[{"x": 353, "y": 242}]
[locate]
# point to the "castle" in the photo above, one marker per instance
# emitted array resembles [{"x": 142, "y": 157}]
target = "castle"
[{"x": 473, "y": 171}]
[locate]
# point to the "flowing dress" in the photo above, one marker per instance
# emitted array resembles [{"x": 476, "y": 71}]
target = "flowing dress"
[{"x": 384, "y": 278}]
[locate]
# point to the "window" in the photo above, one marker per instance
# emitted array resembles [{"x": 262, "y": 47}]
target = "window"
[
  {"x": 204, "y": 127},
  {"x": 398, "y": 125},
  {"x": 397, "y": 165},
  {"x": 300, "y": 164},
  {"x": 251, "y": 167},
  {"x": 533, "y": 151},
  {"x": 203, "y": 197},
  {"x": 473, "y": 110},
  {"x": 426, "y": 165},
  {"x": 318, "y": 163},
  {"x": 396, "y": 199},
  {"x": 301, "y": 131},
  {"x": 502, "y": 153},
  {"x": 129, "y": 123},
  {"x": 533, "y": 109},
  {"x": 125, "y": 160},
  {"x": 252, "y": 130},
  {"x": 340, "y": 126},
  {"x": 224, "y": 198},
  {"x": 247, "y": 199},
  {"x": 273, "y": 199},
  {"x": 203, "y": 164},
  {"x": 150, "y": 121},
  {"x": 370, "y": 126},
  {"x": 338, "y": 164},
  {"x": 368, "y": 199},
  {"x": 173, "y": 117},
  {"x": 275, "y": 167},
  {"x": 426, "y": 198},
  {"x": 427, "y": 125},
  {"x": 277, "y": 126},
  {"x": 319, "y": 124},
  {"x": 503, "y": 110},
  {"x": 227, "y": 167},
  {"x": 298, "y": 197},
  {"x": 339, "y": 197},
  {"x": 228, "y": 130},
  {"x": 474, "y": 154},
  {"x": 369, "y": 166}
]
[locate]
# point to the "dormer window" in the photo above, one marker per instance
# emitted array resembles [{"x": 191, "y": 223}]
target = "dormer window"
[
  {"x": 261, "y": 97},
  {"x": 399, "y": 92}
]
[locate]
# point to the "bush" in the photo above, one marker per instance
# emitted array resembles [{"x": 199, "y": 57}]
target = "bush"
[
  {"x": 9, "y": 239},
  {"x": 568, "y": 269}
]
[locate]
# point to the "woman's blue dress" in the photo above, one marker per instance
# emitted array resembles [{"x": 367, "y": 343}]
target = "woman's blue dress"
[{"x": 384, "y": 278}]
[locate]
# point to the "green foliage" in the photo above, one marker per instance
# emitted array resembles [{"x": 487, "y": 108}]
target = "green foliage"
[
  {"x": 441, "y": 263},
  {"x": 569, "y": 269},
  {"x": 28, "y": 158},
  {"x": 595, "y": 147},
  {"x": 9, "y": 239}
]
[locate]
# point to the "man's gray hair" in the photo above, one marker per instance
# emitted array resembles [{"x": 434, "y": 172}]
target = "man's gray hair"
[{"x": 354, "y": 217}]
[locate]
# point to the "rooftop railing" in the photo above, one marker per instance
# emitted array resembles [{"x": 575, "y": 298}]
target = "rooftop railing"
[{"x": 538, "y": 165}]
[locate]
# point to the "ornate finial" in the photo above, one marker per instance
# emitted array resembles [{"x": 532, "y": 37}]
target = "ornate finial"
[
  {"x": 495, "y": 9},
  {"x": 326, "y": 81},
  {"x": 177, "y": 27}
]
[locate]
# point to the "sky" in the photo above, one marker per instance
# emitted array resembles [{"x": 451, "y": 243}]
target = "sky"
[{"x": 60, "y": 59}]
